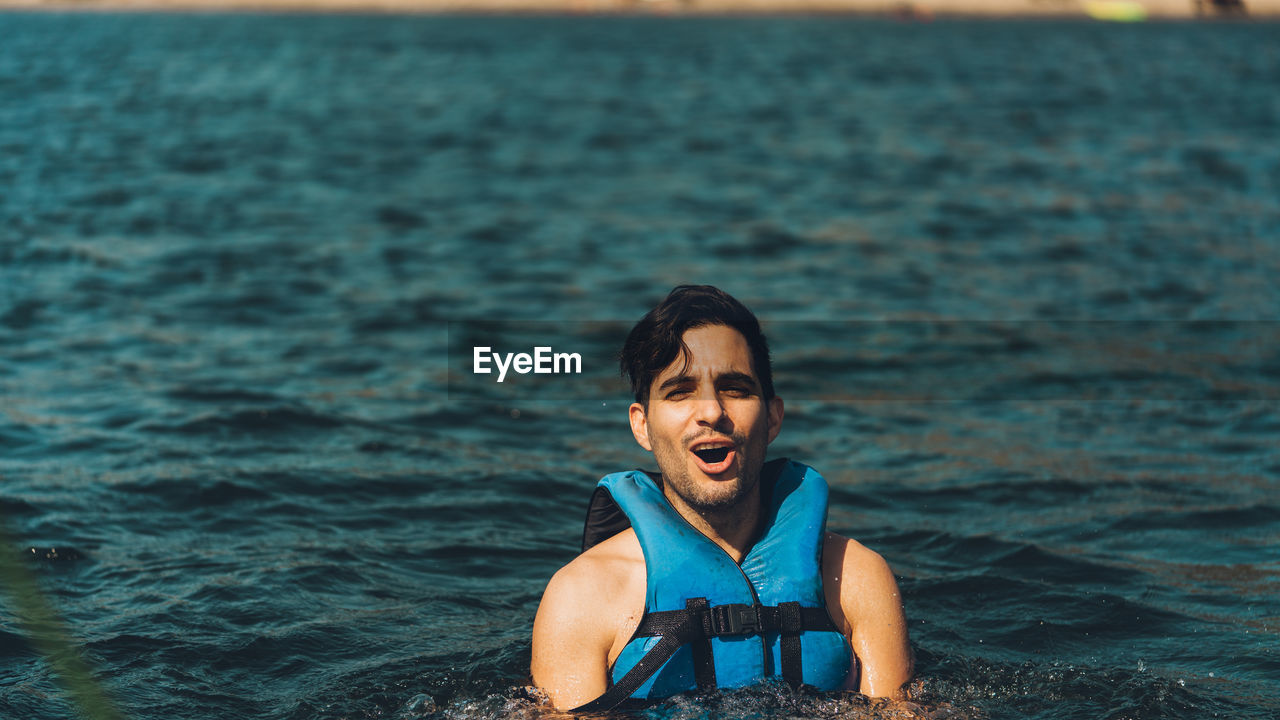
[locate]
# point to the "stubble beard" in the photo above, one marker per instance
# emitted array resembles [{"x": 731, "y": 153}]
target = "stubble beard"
[{"x": 722, "y": 497}]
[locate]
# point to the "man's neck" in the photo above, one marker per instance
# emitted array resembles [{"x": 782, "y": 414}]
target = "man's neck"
[{"x": 735, "y": 529}]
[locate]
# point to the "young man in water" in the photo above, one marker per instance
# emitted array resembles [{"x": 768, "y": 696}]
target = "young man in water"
[{"x": 705, "y": 407}]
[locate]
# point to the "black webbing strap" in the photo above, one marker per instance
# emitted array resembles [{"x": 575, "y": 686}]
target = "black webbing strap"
[
  {"x": 696, "y": 624},
  {"x": 704, "y": 662},
  {"x": 792, "y": 625},
  {"x": 677, "y": 628},
  {"x": 733, "y": 620}
]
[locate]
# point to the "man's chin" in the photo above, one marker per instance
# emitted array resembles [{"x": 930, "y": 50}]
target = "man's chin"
[{"x": 723, "y": 495}]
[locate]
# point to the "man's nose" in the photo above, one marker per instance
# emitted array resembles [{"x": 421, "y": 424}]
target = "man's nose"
[{"x": 710, "y": 408}]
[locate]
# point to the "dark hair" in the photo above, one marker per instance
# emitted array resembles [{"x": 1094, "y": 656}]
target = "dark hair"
[{"x": 658, "y": 339}]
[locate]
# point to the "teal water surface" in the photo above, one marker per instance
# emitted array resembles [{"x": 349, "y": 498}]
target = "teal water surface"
[{"x": 1020, "y": 280}]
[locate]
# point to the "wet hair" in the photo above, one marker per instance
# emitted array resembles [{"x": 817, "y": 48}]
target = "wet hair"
[{"x": 658, "y": 339}]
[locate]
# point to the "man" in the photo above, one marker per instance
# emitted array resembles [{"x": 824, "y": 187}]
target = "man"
[{"x": 724, "y": 574}]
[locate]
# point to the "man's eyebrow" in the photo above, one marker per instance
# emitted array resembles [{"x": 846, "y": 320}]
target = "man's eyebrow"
[
  {"x": 675, "y": 380},
  {"x": 738, "y": 377}
]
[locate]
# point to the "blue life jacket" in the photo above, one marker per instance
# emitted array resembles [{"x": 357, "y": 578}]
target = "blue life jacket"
[{"x": 710, "y": 622}]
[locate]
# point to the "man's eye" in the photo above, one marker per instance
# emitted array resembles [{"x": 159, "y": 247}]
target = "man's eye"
[
  {"x": 738, "y": 391},
  {"x": 677, "y": 394}
]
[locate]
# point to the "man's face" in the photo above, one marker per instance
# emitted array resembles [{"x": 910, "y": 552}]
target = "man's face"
[{"x": 707, "y": 423}]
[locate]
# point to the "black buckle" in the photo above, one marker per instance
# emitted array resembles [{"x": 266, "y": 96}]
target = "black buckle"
[{"x": 735, "y": 619}]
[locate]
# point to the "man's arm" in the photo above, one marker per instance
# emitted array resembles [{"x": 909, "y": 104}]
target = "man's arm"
[
  {"x": 590, "y": 605},
  {"x": 859, "y": 582},
  {"x": 570, "y": 648}
]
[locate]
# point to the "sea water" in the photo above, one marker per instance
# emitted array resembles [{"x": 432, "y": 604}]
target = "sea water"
[{"x": 1020, "y": 279}]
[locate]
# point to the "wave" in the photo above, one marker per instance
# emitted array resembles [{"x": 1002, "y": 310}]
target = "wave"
[
  {"x": 1048, "y": 689},
  {"x": 1230, "y": 517},
  {"x": 269, "y": 420},
  {"x": 207, "y": 394}
]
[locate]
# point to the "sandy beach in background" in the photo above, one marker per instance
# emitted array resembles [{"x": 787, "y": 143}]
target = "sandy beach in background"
[{"x": 911, "y": 9}]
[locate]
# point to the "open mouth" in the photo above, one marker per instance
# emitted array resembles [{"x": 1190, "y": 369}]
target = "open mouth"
[{"x": 713, "y": 456}]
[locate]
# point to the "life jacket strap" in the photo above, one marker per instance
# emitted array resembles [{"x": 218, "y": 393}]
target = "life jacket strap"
[
  {"x": 696, "y": 624},
  {"x": 791, "y": 622},
  {"x": 676, "y": 628},
  {"x": 735, "y": 619},
  {"x": 704, "y": 661}
]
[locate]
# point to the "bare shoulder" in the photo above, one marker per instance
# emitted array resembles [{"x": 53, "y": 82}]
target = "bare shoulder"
[
  {"x": 588, "y": 605},
  {"x": 603, "y": 572},
  {"x": 864, "y": 601},
  {"x": 583, "y": 593},
  {"x": 862, "y": 577}
]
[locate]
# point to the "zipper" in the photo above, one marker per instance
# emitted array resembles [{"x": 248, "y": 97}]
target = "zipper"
[{"x": 766, "y": 657}]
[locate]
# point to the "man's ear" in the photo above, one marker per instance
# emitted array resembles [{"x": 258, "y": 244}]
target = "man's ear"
[
  {"x": 775, "y": 417},
  {"x": 640, "y": 425}
]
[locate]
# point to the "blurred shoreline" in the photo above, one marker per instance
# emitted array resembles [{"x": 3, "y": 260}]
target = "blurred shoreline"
[{"x": 1115, "y": 10}]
